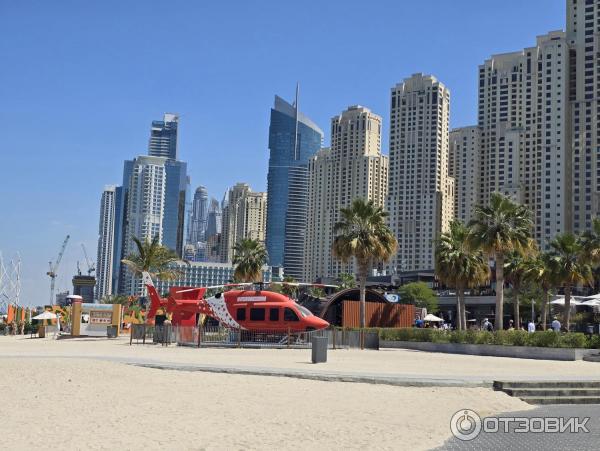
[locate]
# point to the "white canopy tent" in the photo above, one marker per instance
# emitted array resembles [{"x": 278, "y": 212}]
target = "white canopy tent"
[
  {"x": 45, "y": 315},
  {"x": 433, "y": 318},
  {"x": 561, "y": 301}
]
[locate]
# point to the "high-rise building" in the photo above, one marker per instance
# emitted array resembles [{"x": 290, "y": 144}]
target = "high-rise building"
[
  {"x": 163, "y": 137},
  {"x": 583, "y": 113},
  {"x": 155, "y": 206},
  {"x": 244, "y": 217},
  {"x": 213, "y": 223},
  {"x": 464, "y": 167},
  {"x": 106, "y": 244},
  {"x": 293, "y": 139},
  {"x": 525, "y": 144},
  {"x": 199, "y": 217},
  {"x": 352, "y": 168},
  {"x": 421, "y": 193}
]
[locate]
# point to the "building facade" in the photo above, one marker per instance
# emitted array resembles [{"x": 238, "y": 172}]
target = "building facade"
[
  {"x": 525, "y": 144},
  {"x": 293, "y": 139},
  {"x": 583, "y": 89},
  {"x": 106, "y": 243},
  {"x": 155, "y": 207},
  {"x": 202, "y": 274},
  {"x": 421, "y": 192},
  {"x": 244, "y": 217},
  {"x": 199, "y": 216},
  {"x": 352, "y": 168},
  {"x": 464, "y": 166},
  {"x": 163, "y": 137}
]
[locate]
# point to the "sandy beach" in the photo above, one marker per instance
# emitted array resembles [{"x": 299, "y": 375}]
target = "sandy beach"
[{"x": 85, "y": 394}]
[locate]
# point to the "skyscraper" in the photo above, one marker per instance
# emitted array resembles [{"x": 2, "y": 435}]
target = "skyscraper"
[
  {"x": 244, "y": 216},
  {"x": 106, "y": 245},
  {"x": 465, "y": 167},
  {"x": 199, "y": 218},
  {"x": 352, "y": 168},
  {"x": 213, "y": 223},
  {"x": 421, "y": 193},
  {"x": 155, "y": 205},
  {"x": 583, "y": 111},
  {"x": 163, "y": 137},
  {"x": 293, "y": 139}
]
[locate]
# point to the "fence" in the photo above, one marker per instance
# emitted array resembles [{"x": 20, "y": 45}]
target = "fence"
[{"x": 217, "y": 336}]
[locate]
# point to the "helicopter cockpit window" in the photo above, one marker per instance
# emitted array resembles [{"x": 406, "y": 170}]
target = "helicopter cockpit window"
[
  {"x": 290, "y": 315},
  {"x": 304, "y": 311}
]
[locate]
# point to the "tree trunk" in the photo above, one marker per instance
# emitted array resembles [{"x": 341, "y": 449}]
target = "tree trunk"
[
  {"x": 362, "y": 280},
  {"x": 463, "y": 314},
  {"x": 458, "y": 310},
  {"x": 499, "y": 322},
  {"x": 567, "y": 313},
  {"x": 517, "y": 313},
  {"x": 545, "y": 309}
]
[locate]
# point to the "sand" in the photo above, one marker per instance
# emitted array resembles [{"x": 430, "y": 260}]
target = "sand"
[{"x": 59, "y": 394}]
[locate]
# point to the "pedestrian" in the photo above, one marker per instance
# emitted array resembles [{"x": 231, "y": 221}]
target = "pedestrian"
[
  {"x": 556, "y": 325},
  {"x": 511, "y": 325},
  {"x": 530, "y": 327},
  {"x": 487, "y": 326}
]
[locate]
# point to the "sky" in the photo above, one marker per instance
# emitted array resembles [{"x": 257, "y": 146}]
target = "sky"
[{"x": 80, "y": 83}]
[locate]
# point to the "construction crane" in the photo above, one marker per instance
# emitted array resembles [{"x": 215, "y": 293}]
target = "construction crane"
[
  {"x": 90, "y": 265},
  {"x": 54, "y": 267}
]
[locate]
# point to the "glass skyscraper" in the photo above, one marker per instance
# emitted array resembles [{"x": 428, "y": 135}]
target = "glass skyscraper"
[
  {"x": 163, "y": 137},
  {"x": 293, "y": 139}
]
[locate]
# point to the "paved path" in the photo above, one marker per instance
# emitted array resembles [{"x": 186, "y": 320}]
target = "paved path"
[{"x": 538, "y": 441}]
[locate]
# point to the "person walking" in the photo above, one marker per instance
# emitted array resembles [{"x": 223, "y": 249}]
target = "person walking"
[
  {"x": 556, "y": 325},
  {"x": 487, "y": 326},
  {"x": 530, "y": 327}
]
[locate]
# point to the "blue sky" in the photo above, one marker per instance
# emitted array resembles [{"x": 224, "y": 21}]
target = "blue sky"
[{"x": 80, "y": 83}]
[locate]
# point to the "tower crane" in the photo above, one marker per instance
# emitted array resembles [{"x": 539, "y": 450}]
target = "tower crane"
[
  {"x": 90, "y": 265},
  {"x": 54, "y": 267}
]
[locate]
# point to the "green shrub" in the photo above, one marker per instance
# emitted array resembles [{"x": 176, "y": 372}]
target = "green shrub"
[
  {"x": 594, "y": 342},
  {"x": 546, "y": 339},
  {"x": 573, "y": 340}
]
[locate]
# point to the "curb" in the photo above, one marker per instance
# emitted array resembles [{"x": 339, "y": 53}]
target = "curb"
[{"x": 325, "y": 377}]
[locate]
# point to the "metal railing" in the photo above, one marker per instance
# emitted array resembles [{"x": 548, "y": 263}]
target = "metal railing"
[{"x": 218, "y": 336}]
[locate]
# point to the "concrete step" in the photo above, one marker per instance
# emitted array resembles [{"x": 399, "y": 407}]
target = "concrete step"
[
  {"x": 503, "y": 385},
  {"x": 561, "y": 399},
  {"x": 552, "y": 392}
]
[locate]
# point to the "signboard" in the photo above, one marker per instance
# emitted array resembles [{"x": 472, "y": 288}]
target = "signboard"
[
  {"x": 100, "y": 317},
  {"x": 252, "y": 299},
  {"x": 390, "y": 297}
]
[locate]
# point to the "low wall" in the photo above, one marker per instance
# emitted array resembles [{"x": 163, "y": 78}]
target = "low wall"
[{"x": 520, "y": 352}]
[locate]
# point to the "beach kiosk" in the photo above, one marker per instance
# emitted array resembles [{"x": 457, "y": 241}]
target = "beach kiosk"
[{"x": 93, "y": 320}]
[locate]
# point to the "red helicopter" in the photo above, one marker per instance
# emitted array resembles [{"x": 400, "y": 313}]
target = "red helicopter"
[{"x": 254, "y": 310}]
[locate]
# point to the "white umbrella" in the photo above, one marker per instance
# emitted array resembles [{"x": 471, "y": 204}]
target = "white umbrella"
[
  {"x": 561, "y": 301},
  {"x": 593, "y": 297},
  {"x": 45, "y": 315},
  {"x": 431, "y": 317}
]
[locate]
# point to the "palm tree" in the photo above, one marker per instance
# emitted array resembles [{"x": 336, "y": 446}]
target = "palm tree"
[
  {"x": 249, "y": 257},
  {"x": 591, "y": 249},
  {"x": 515, "y": 274},
  {"x": 570, "y": 263},
  {"x": 289, "y": 287},
  {"x": 363, "y": 235},
  {"x": 539, "y": 270},
  {"x": 346, "y": 281},
  {"x": 498, "y": 229},
  {"x": 460, "y": 266},
  {"x": 153, "y": 258}
]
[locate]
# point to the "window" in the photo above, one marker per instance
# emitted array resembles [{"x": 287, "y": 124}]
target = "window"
[
  {"x": 240, "y": 315},
  {"x": 257, "y": 314},
  {"x": 274, "y": 314},
  {"x": 289, "y": 315}
]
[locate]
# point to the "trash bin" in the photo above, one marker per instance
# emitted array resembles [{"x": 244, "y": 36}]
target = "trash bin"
[
  {"x": 111, "y": 331},
  {"x": 319, "y": 349},
  {"x": 42, "y": 331},
  {"x": 590, "y": 329}
]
